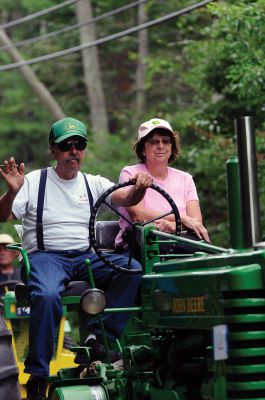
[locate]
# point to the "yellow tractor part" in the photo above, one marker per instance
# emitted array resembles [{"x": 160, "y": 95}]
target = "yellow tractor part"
[{"x": 19, "y": 327}]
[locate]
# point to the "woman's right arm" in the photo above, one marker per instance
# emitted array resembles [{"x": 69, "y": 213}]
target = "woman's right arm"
[{"x": 193, "y": 220}]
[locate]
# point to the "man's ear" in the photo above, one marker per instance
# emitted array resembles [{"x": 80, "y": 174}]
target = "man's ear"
[{"x": 52, "y": 149}]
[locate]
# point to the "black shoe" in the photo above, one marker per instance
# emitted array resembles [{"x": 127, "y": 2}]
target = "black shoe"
[
  {"x": 36, "y": 388},
  {"x": 97, "y": 353}
]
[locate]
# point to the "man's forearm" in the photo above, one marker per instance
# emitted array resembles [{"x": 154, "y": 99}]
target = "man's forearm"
[
  {"x": 6, "y": 202},
  {"x": 134, "y": 196},
  {"x": 128, "y": 197}
]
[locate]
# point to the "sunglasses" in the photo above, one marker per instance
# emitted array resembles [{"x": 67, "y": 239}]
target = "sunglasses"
[
  {"x": 66, "y": 145},
  {"x": 156, "y": 142}
]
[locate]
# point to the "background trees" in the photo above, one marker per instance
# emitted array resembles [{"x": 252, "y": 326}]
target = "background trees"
[{"x": 199, "y": 71}]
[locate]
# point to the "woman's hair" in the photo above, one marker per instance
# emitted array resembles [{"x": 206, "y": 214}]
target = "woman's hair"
[{"x": 175, "y": 150}]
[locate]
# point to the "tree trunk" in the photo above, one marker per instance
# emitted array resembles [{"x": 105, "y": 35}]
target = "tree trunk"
[
  {"x": 93, "y": 82},
  {"x": 141, "y": 63},
  {"x": 38, "y": 87}
]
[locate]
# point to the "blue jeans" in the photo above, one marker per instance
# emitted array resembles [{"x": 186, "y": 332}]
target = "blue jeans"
[{"x": 50, "y": 273}]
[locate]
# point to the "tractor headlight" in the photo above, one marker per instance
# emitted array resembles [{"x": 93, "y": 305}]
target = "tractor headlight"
[
  {"x": 93, "y": 301},
  {"x": 80, "y": 392}
]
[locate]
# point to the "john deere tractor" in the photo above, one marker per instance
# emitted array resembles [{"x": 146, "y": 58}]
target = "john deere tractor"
[{"x": 197, "y": 330}]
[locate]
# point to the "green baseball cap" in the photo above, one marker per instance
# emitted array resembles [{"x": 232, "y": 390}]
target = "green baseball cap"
[{"x": 65, "y": 128}]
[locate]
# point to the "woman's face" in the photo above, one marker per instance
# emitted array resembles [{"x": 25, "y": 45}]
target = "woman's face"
[{"x": 158, "y": 148}]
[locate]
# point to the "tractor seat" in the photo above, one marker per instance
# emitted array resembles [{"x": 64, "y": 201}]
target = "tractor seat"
[
  {"x": 74, "y": 288},
  {"x": 106, "y": 232}
]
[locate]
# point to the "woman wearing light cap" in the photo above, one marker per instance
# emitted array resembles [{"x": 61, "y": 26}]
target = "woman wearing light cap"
[{"x": 157, "y": 146}]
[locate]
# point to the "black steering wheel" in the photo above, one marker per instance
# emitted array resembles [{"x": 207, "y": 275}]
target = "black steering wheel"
[{"x": 102, "y": 200}]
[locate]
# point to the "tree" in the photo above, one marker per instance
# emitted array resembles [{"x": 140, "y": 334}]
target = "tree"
[
  {"x": 229, "y": 62},
  {"x": 225, "y": 74},
  {"x": 92, "y": 76},
  {"x": 141, "y": 63},
  {"x": 38, "y": 87}
]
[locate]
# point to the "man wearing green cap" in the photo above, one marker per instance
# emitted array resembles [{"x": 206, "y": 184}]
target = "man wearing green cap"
[{"x": 54, "y": 207}]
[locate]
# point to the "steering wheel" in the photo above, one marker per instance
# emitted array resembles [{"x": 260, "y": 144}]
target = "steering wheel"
[{"x": 102, "y": 200}]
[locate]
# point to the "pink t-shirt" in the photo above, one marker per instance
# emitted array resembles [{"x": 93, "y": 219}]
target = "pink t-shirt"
[{"x": 178, "y": 184}]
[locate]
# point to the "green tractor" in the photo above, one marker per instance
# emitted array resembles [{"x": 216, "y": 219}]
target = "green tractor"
[{"x": 197, "y": 330}]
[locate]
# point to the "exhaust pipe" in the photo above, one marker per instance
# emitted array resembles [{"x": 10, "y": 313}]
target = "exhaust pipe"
[
  {"x": 246, "y": 146},
  {"x": 234, "y": 203}
]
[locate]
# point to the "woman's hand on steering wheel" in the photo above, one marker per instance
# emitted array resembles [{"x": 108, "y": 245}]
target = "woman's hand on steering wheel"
[
  {"x": 197, "y": 227},
  {"x": 164, "y": 225}
]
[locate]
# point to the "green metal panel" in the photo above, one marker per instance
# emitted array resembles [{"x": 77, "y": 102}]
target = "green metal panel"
[
  {"x": 247, "y": 352},
  {"x": 249, "y": 318},
  {"x": 80, "y": 392},
  {"x": 245, "y": 303},
  {"x": 232, "y": 259},
  {"x": 149, "y": 249},
  {"x": 165, "y": 394},
  {"x": 240, "y": 386},
  {"x": 196, "y": 296},
  {"x": 245, "y": 369},
  {"x": 219, "y": 381},
  {"x": 251, "y": 335},
  {"x": 246, "y": 277}
]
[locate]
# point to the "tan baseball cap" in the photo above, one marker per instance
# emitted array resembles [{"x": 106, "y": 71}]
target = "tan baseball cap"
[
  {"x": 6, "y": 239},
  {"x": 152, "y": 124}
]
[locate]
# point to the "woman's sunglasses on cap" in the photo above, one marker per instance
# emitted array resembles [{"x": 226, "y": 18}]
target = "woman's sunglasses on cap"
[{"x": 66, "y": 145}]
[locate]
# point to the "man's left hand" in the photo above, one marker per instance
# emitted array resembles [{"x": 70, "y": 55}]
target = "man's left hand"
[{"x": 142, "y": 180}]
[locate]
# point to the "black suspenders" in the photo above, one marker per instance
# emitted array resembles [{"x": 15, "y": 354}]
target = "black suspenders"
[{"x": 41, "y": 194}]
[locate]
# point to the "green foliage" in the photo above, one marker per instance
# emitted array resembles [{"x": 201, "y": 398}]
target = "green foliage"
[
  {"x": 109, "y": 161},
  {"x": 33, "y": 6},
  {"x": 225, "y": 64},
  {"x": 229, "y": 62},
  {"x": 204, "y": 69},
  {"x": 8, "y": 227}
]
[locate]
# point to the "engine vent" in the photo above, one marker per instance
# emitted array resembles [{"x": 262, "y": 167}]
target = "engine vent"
[{"x": 245, "y": 367}]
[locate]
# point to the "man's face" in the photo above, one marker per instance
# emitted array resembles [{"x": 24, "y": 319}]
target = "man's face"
[
  {"x": 6, "y": 256},
  {"x": 69, "y": 154}
]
